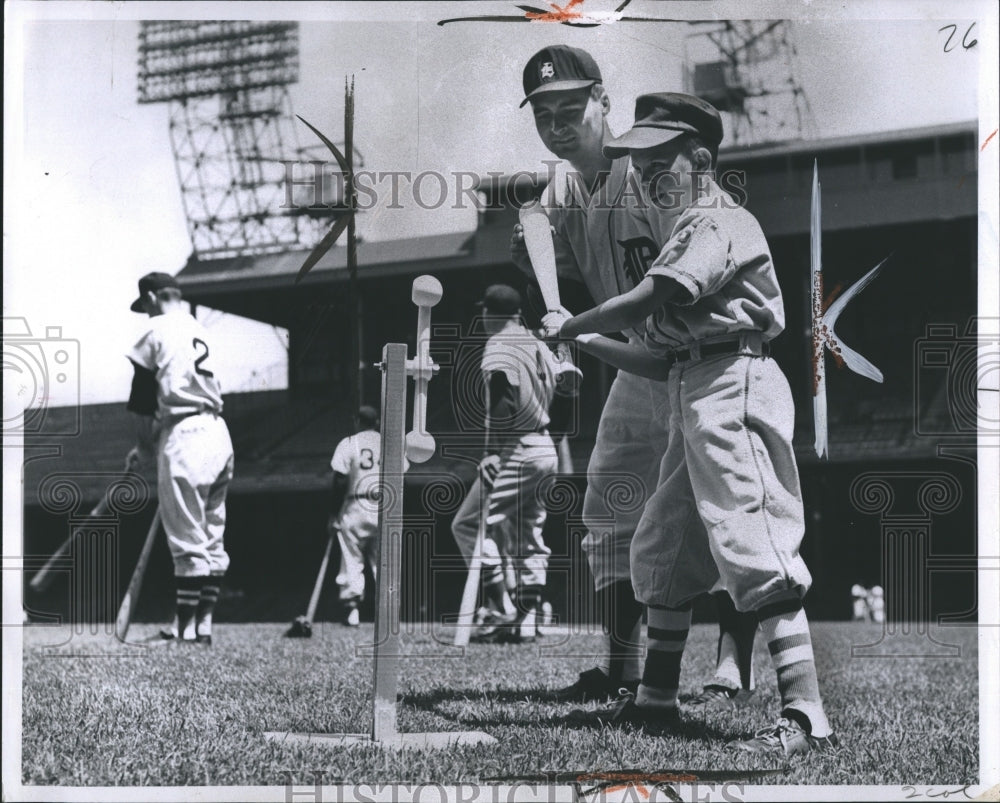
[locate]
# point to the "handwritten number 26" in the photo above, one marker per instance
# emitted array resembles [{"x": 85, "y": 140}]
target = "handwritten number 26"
[{"x": 966, "y": 44}]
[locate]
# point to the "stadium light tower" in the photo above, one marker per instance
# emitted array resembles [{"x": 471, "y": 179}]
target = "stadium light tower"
[
  {"x": 748, "y": 70},
  {"x": 231, "y": 125}
]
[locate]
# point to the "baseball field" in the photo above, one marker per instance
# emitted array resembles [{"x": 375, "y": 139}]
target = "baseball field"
[{"x": 104, "y": 714}]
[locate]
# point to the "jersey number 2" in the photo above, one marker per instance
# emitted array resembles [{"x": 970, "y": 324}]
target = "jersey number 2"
[{"x": 197, "y": 363}]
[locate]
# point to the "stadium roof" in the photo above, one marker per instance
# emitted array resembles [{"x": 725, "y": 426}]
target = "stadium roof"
[
  {"x": 380, "y": 259},
  {"x": 854, "y": 141}
]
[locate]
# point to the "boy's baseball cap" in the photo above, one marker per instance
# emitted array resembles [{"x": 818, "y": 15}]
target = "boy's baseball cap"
[
  {"x": 501, "y": 299},
  {"x": 153, "y": 282},
  {"x": 559, "y": 68},
  {"x": 663, "y": 116}
]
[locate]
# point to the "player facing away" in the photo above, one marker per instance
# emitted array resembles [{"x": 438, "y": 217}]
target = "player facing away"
[
  {"x": 178, "y": 403},
  {"x": 603, "y": 240},
  {"x": 710, "y": 304},
  {"x": 356, "y": 464},
  {"x": 520, "y": 375}
]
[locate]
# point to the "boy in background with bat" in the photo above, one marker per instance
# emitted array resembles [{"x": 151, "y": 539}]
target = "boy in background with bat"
[
  {"x": 710, "y": 303},
  {"x": 521, "y": 376},
  {"x": 601, "y": 239},
  {"x": 178, "y": 404},
  {"x": 356, "y": 465}
]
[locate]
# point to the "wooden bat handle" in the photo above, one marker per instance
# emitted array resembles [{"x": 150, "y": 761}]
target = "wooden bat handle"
[{"x": 541, "y": 251}]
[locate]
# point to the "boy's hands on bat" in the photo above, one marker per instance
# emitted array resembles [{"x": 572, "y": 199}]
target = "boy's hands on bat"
[{"x": 553, "y": 320}]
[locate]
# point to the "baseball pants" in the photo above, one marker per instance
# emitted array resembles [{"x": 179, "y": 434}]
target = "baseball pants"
[
  {"x": 622, "y": 474},
  {"x": 516, "y": 515},
  {"x": 194, "y": 467},
  {"x": 465, "y": 526},
  {"x": 729, "y": 463},
  {"x": 358, "y": 537}
]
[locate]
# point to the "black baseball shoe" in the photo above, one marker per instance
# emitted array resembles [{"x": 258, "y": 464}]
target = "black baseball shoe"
[
  {"x": 204, "y": 640},
  {"x": 592, "y": 685},
  {"x": 625, "y": 714}
]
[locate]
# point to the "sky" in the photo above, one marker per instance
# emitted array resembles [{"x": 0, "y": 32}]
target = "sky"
[{"x": 92, "y": 199}]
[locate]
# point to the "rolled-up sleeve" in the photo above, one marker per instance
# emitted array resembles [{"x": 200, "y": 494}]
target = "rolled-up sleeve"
[{"x": 697, "y": 256}]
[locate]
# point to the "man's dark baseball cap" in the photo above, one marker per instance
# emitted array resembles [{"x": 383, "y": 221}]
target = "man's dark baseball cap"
[
  {"x": 663, "y": 116},
  {"x": 559, "y": 68},
  {"x": 153, "y": 282},
  {"x": 501, "y": 299},
  {"x": 367, "y": 415}
]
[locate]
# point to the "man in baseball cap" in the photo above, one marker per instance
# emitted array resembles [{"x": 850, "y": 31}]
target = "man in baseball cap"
[
  {"x": 154, "y": 283},
  {"x": 559, "y": 68}
]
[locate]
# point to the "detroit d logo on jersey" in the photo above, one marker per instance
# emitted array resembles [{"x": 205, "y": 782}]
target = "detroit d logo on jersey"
[
  {"x": 639, "y": 255},
  {"x": 546, "y": 71}
]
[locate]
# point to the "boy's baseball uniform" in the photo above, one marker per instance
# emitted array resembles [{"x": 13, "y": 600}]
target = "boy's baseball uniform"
[
  {"x": 358, "y": 457},
  {"x": 730, "y": 417},
  {"x": 195, "y": 453},
  {"x": 174, "y": 383},
  {"x": 729, "y": 458},
  {"x": 518, "y": 422}
]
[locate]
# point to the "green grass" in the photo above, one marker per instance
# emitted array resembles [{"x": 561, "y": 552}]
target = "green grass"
[{"x": 104, "y": 714}]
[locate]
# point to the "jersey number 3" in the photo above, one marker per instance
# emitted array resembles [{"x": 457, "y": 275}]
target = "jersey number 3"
[
  {"x": 201, "y": 345},
  {"x": 367, "y": 459}
]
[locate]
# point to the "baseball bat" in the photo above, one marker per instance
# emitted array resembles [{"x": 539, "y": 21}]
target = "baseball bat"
[
  {"x": 541, "y": 251},
  {"x": 318, "y": 587},
  {"x": 124, "y": 618},
  {"x": 467, "y": 610},
  {"x": 43, "y": 578}
]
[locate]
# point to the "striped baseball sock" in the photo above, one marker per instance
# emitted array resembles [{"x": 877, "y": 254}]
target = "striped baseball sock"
[
  {"x": 206, "y": 603},
  {"x": 666, "y": 634},
  {"x": 529, "y": 598},
  {"x": 734, "y": 659},
  {"x": 621, "y": 614},
  {"x": 188, "y": 593},
  {"x": 786, "y": 629},
  {"x": 495, "y": 590}
]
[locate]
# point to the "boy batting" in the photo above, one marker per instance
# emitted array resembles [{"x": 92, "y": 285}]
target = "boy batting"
[
  {"x": 602, "y": 239},
  {"x": 709, "y": 305}
]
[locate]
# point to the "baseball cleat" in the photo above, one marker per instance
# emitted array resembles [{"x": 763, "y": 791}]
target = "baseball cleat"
[
  {"x": 624, "y": 713},
  {"x": 592, "y": 685},
  {"x": 161, "y": 638},
  {"x": 787, "y": 738},
  {"x": 203, "y": 640},
  {"x": 495, "y": 629},
  {"x": 301, "y": 628},
  {"x": 718, "y": 698}
]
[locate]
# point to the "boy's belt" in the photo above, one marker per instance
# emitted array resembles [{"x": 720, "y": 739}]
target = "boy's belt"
[{"x": 699, "y": 351}]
